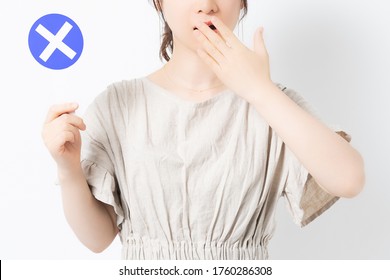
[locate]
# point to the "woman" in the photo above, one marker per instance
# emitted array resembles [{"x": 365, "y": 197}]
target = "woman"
[{"x": 190, "y": 161}]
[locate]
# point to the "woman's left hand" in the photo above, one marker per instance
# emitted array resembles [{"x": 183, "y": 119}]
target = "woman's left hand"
[{"x": 244, "y": 71}]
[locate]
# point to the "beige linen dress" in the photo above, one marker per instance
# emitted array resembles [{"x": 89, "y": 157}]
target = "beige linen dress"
[{"x": 192, "y": 180}]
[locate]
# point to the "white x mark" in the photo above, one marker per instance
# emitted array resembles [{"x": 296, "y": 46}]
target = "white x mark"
[{"x": 55, "y": 41}]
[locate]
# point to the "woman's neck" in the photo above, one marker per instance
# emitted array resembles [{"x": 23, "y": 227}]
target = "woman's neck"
[{"x": 186, "y": 69}]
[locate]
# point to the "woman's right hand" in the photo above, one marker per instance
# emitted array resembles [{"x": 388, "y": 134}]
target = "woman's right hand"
[{"x": 61, "y": 135}]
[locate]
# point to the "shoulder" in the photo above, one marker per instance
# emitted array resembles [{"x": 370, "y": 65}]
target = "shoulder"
[
  {"x": 118, "y": 96},
  {"x": 115, "y": 101},
  {"x": 119, "y": 92}
]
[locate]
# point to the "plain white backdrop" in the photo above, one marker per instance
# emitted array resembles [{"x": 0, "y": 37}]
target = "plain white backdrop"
[{"x": 335, "y": 53}]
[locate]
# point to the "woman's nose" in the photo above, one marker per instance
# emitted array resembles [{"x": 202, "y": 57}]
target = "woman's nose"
[{"x": 206, "y": 6}]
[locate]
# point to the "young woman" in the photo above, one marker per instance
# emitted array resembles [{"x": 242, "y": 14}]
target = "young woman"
[{"x": 190, "y": 161}]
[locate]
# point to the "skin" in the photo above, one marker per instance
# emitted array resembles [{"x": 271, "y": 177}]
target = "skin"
[
  {"x": 96, "y": 227},
  {"x": 205, "y": 59},
  {"x": 186, "y": 68}
]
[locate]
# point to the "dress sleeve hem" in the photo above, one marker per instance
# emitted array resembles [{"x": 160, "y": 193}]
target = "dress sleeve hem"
[
  {"x": 313, "y": 194},
  {"x": 103, "y": 187},
  {"x": 321, "y": 210}
]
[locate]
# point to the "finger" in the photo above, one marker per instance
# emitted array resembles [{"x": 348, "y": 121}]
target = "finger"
[
  {"x": 66, "y": 136},
  {"x": 60, "y": 140},
  {"x": 57, "y": 110},
  {"x": 65, "y": 130},
  {"x": 258, "y": 41},
  {"x": 209, "y": 61},
  {"x": 226, "y": 34},
  {"x": 73, "y": 120},
  {"x": 212, "y": 37},
  {"x": 211, "y": 50}
]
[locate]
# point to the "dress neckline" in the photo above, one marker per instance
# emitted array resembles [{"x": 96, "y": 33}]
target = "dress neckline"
[{"x": 182, "y": 101}]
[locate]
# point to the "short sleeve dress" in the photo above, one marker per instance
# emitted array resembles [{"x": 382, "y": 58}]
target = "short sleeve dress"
[{"x": 192, "y": 180}]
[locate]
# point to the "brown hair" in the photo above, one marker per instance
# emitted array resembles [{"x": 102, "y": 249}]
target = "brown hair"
[{"x": 167, "y": 37}]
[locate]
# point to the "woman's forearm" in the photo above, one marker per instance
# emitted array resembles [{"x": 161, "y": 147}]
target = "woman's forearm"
[
  {"x": 89, "y": 218},
  {"x": 332, "y": 161}
]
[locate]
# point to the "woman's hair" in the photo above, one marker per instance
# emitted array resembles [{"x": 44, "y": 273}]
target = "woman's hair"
[{"x": 167, "y": 37}]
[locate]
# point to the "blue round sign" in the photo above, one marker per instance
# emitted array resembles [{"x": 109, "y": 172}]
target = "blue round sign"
[{"x": 55, "y": 41}]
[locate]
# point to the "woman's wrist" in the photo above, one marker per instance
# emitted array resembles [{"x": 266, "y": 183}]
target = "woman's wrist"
[
  {"x": 261, "y": 92},
  {"x": 69, "y": 174}
]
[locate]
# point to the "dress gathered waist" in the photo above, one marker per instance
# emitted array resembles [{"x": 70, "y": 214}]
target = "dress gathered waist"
[{"x": 155, "y": 249}]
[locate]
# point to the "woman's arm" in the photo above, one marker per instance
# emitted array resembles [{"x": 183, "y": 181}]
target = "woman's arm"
[
  {"x": 93, "y": 221},
  {"x": 335, "y": 165}
]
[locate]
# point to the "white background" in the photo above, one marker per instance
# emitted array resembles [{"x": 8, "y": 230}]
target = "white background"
[{"x": 334, "y": 52}]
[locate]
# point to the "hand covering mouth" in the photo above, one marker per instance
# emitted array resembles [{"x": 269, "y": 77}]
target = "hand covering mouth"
[{"x": 212, "y": 26}]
